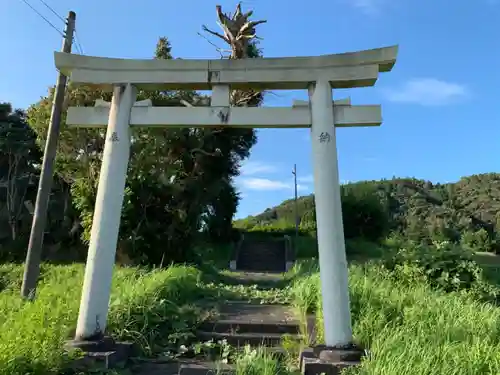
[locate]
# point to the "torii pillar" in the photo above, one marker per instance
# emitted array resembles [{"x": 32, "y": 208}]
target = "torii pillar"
[{"x": 329, "y": 225}]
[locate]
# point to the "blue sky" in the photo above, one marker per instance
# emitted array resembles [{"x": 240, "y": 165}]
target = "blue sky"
[{"x": 441, "y": 102}]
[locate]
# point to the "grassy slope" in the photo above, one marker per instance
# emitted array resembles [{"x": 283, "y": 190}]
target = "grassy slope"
[
  {"x": 156, "y": 309},
  {"x": 411, "y": 329},
  {"x": 142, "y": 307}
]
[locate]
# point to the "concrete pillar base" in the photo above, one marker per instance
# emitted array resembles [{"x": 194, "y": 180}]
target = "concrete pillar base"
[
  {"x": 327, "y": 360},
  {"x": 103, "y": 353},
  {"x": 232, "y": 265}
]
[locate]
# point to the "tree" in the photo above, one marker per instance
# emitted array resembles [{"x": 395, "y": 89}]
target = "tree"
[
  {"x": 179, "y": 180},
  {"x": 18, "y": 158},
  {"x": 466, "y": 211},
  {"x": 234, "y": 144}
]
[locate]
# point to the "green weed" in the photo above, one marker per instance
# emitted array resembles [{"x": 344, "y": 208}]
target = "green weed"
[
  {"x": 414, "y": 328},
  {"x": 144, "y": 306}
]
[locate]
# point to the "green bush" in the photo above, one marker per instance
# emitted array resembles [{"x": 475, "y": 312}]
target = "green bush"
[
  {"x": 305, "y": 247},
  {"x": 443, "y": 264},
  {"x": 271, "y": 230},
  {"x": 477, "y": 241},
  {"x": 364, "y": 215},
  {"x": 363, "y": 212}
]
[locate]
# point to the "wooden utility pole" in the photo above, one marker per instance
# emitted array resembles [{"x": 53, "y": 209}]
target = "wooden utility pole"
[
  {"x": 34, "y": 255},
  {"x": 294, "y": 172}
]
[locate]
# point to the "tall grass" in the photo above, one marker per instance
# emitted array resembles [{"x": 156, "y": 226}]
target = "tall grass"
[
  {"x": 258, "y": 361},
  {"x": 411, "y": 328},
  {"x": 142, "y": 306}
]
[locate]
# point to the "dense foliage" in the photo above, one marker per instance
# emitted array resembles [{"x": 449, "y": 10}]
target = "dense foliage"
[
  {"x": 18, "y": 158},
  {"x": 179, "y": 188},
  {"x": 466, "y": 212}
]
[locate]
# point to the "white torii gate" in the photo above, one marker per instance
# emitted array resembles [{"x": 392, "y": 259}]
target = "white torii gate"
[{"x": 318, "y": 74}]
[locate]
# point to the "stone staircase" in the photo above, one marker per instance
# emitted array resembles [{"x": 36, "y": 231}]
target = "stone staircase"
[
  {"x": 237, "y": 323},
  {"x": 254, "y": 255},
  {"x": 243, "y": 324}
]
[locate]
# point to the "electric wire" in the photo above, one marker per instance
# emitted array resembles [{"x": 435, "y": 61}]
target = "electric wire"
[
  {"x": 53, "y": 11},
  {"x": 43, "y": 18},
  {"x": 78, "y": 45},
  {"x": 75, "y": 41}
]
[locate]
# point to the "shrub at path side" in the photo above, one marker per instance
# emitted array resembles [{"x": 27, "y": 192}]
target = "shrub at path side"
[
  {"x": 32, "y": 334},
  {"x": 444, "y": 265},
  {"x": 413, "y": 329}
]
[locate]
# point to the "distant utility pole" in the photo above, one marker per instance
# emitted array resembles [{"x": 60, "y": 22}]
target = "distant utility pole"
[
  {"x": 294, "y": 172},
  {"x": 34, "y": 255}
]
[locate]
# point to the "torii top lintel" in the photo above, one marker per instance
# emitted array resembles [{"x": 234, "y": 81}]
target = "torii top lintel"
[{"x": 344, "y": 70}]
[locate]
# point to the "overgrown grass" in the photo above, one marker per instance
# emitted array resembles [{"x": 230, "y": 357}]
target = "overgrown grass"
[
  {"x": 150, "y": 307},
  {"x": 250, "y": 293},
  {"x": 357, "y": 249},
  {"x": 258, "y": 361},
  {"x": 409, "y": 326},
  {"x": 412, "y": 328}
]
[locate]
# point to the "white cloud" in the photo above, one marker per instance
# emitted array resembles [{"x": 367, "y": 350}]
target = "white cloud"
[
  {"x": 309, "y": 179},
  {"x": 367, "y": 6},
  {"x": 255, "y": 167},
  {"x": 428, "y": 92},
  {"x": 267, "y": 184},
  {"x": 303, "y": 187},
  {"x": 263, "y": 184},
  {"x": 306, "y": 179}
]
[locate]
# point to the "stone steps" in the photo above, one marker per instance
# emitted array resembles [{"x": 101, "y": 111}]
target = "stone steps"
[
  {"x": 243, "y": 324},
  {"x": 213, "y": 368},
  {"x": 206, "y": 368},
  {"x": 262, "y": 256},
  {"x": 262, "y": 264},
  {"x": 242, "y": 339},
  {"x": 237, "y": 326}
]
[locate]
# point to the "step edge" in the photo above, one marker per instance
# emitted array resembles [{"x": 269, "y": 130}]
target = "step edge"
[
  {"x": 250, "y": 322},
  {"x": 247, "y": 334}
]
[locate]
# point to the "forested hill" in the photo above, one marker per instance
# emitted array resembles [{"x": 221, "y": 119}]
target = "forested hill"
[{"x": 416, "y": 208}]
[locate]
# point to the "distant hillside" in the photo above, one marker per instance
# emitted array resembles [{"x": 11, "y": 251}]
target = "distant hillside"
[{"x": 414, "y": 207}]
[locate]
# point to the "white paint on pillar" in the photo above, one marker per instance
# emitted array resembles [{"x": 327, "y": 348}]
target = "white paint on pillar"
[
  {"x": 106, "y": 222},
  {"x": 330, "y": 230}
]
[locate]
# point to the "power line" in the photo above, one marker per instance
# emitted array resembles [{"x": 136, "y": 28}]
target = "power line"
[
  {"x": 53, "y": 11},
  {"x": 78, "y": 45},
  {"x": 42, "y": 17}
]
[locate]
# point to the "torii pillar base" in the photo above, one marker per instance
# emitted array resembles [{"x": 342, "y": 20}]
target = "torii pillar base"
[
  {"x": 100, "y": 353},
  {"x": 327, "y": 360}
]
